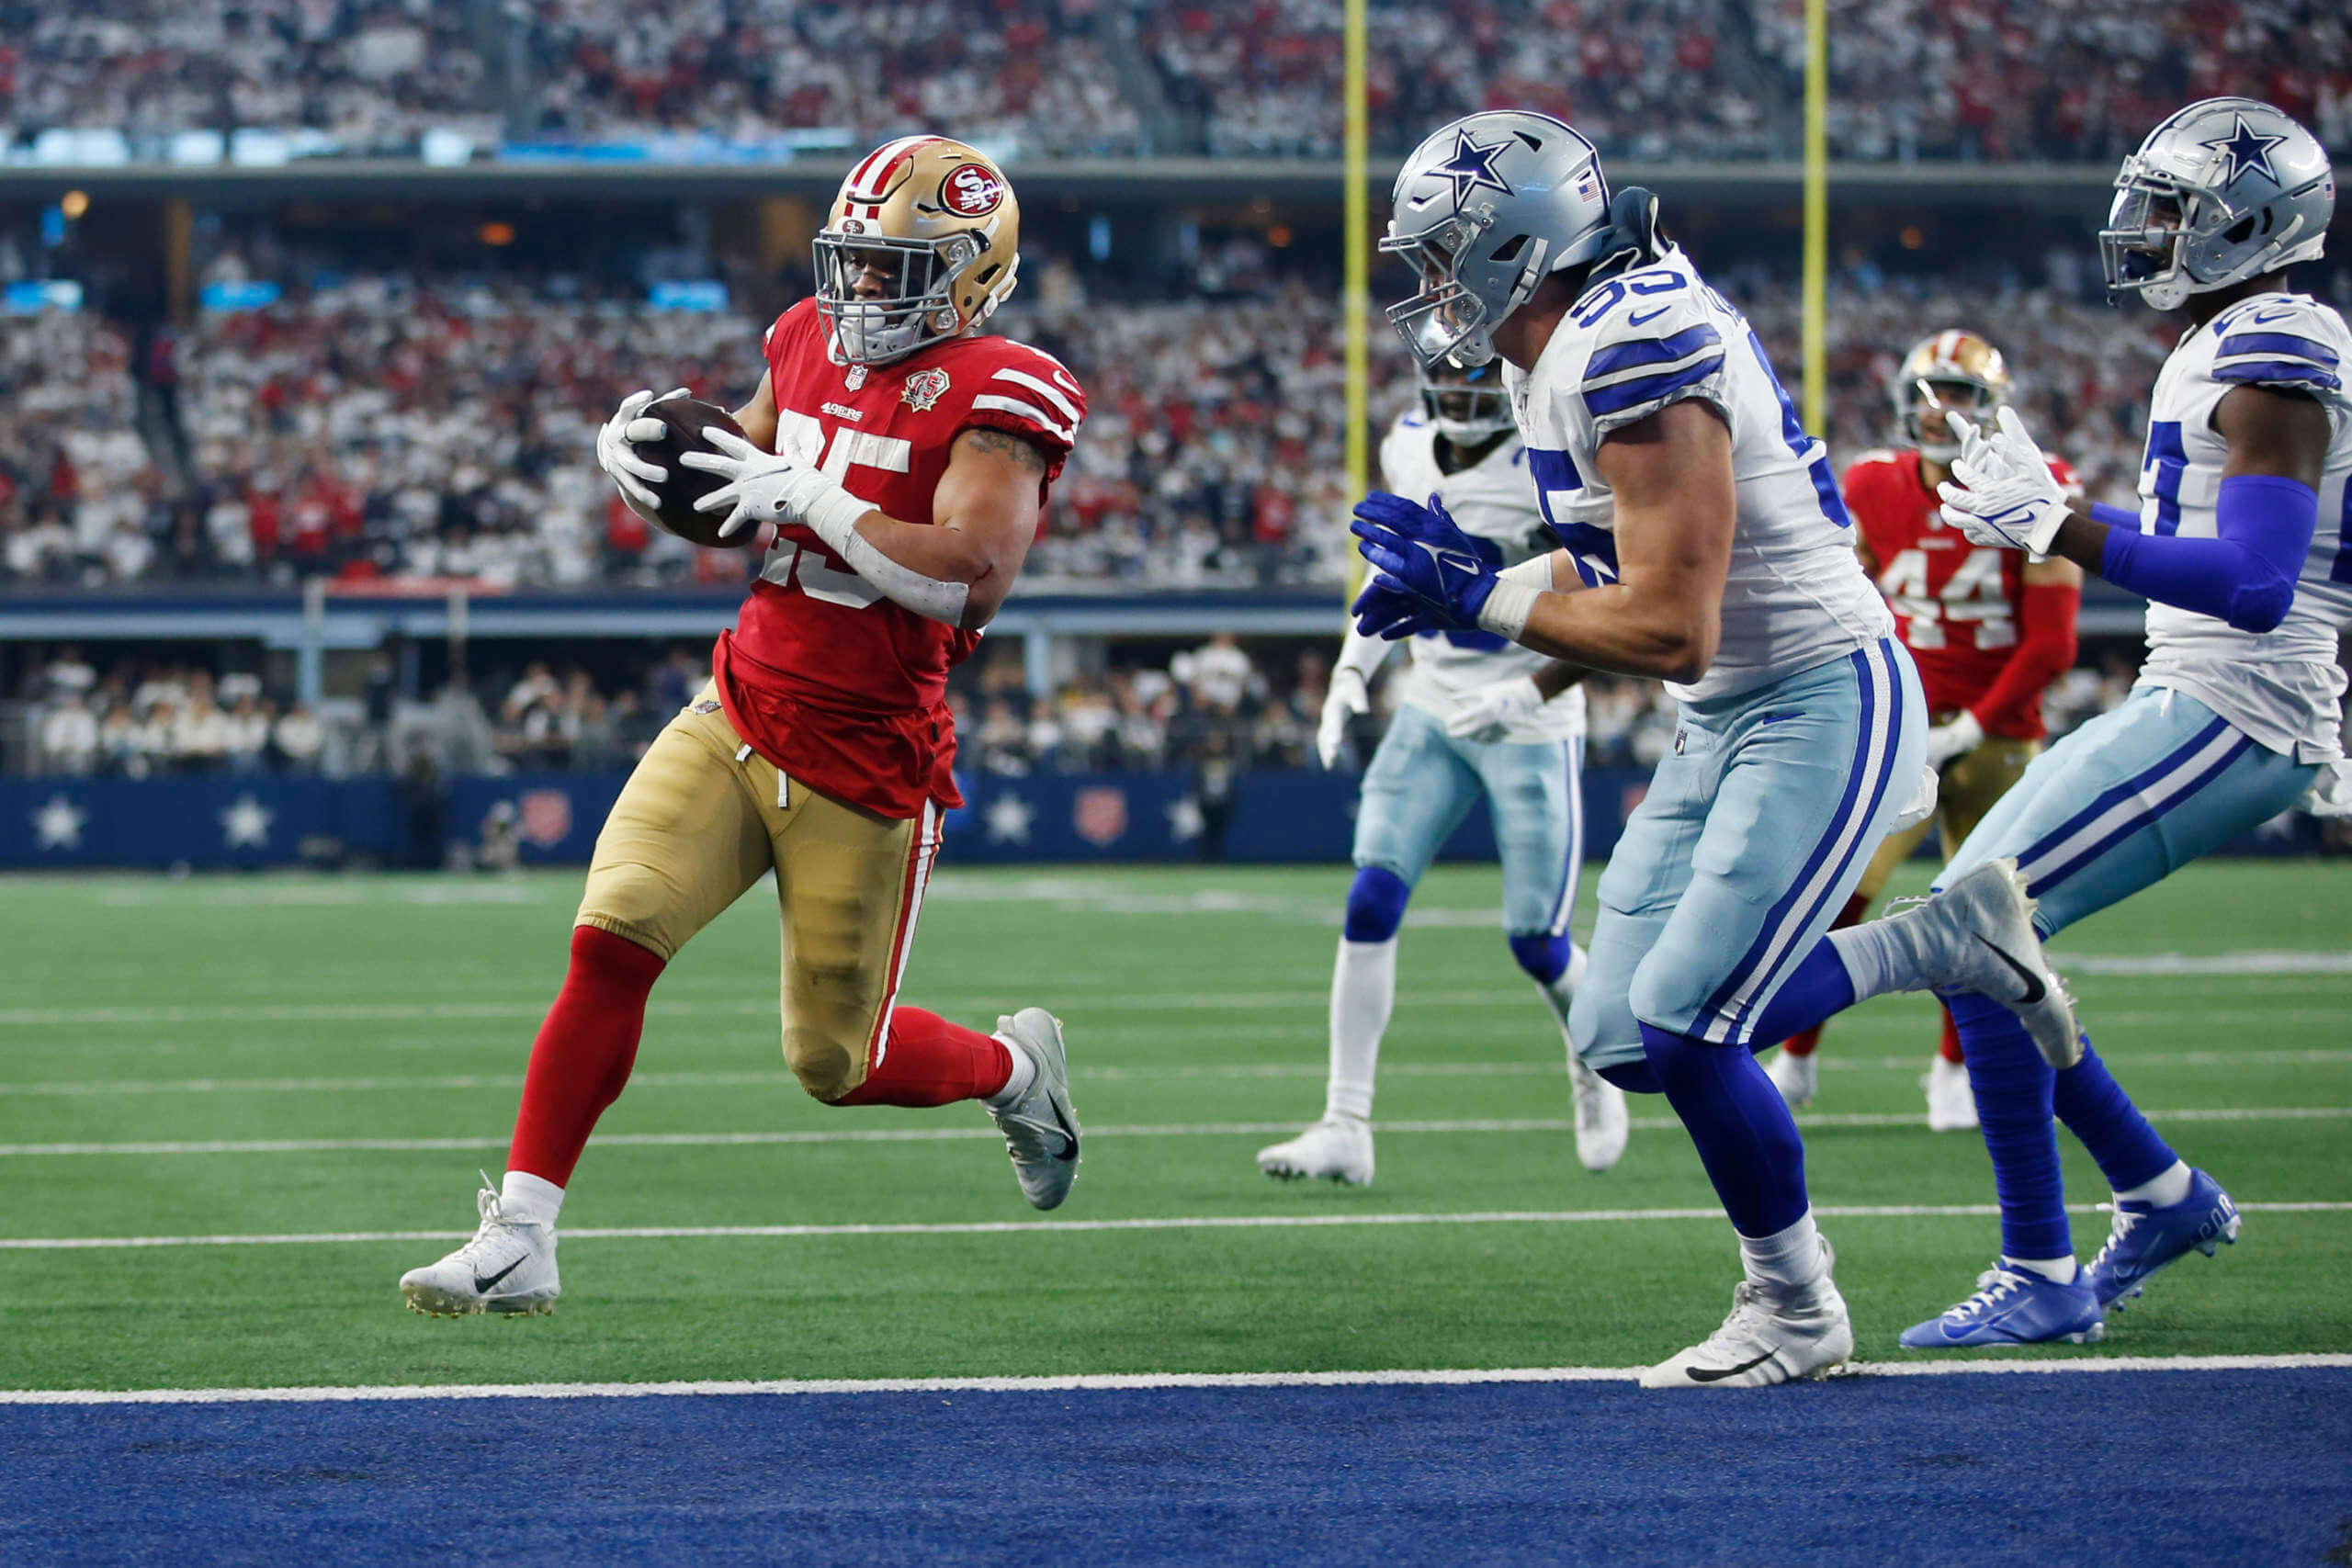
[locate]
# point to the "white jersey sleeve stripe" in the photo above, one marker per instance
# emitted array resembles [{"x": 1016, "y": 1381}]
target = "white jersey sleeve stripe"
[
  {"x": 1044, "y": 390},
  {"x": 1030, "y": 411}
]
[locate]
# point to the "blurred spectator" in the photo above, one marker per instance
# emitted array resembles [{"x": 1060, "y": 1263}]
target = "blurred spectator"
[{"x": 68, "y": 736}]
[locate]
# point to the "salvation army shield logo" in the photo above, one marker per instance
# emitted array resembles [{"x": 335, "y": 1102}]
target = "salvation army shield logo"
[
  {"x": 545, "y": 816},
  {"x": 1100, "y": 815}
]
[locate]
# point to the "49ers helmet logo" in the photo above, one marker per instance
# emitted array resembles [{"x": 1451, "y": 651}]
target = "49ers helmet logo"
[
  {"x": 923, "y": 389},
  {"x": 971, "y": 190}
]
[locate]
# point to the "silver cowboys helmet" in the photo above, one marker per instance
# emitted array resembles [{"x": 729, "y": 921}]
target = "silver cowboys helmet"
[
  {"x": 2223, "y": 190},
  {"x": 1484, "y": 210},
  {"x": 1464, "y": 405}
]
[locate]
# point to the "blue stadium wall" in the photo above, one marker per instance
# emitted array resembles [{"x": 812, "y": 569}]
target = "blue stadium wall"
[
  {"x": 228, "y": 822},
  {"x": 234, "y": 822}
]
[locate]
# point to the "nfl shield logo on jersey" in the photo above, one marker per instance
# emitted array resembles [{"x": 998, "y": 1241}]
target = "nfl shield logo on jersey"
[
  {"x": 1100, "y": 815},
  {"x": 924, "y": 388}
]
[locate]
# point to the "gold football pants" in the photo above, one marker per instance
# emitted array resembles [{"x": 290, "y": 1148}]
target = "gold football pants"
[
  {"x": 1964, "y": 792},
  {"x": 702, "y": 819}
]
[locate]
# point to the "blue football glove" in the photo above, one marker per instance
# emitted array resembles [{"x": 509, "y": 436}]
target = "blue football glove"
[
  {"x": 1419, "y": 552},
  {"x": 1388, "y": 611}
]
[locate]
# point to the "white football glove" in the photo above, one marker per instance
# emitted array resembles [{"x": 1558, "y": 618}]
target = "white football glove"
[
  {"x": 1348, "y": 698},
  {"x": 1958, "y": 738},
  {"x": 1489, "y": 712},
  {"x": 1920, "y": 807},
  {"x": 617, "y": 454},
  {"x": 764, "y": 487},
  {"x": 2007, "y": 496}
]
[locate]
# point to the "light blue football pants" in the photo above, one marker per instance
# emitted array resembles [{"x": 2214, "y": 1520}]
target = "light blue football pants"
[
  {"x": 2127, "y": 799},
  {"x": 1754, "y": 833},
  {"x": 1422, "y": 783}
]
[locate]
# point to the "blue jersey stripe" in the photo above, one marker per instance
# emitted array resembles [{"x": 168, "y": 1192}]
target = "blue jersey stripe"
[
  {"x": 1604, "y": 400},
  {"x": 1651, "y": 351},
  {"x": 2299, "y": 371},
  {"x": 2277, "y": 342}
]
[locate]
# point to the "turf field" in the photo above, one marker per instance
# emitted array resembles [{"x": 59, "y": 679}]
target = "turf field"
[{"x": 281, "y": 1089}]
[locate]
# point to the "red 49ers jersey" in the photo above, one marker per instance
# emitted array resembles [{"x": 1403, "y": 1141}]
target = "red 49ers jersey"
[
  {"x": 842, "y": 689},
  {"x": 1956, "y": 604}
]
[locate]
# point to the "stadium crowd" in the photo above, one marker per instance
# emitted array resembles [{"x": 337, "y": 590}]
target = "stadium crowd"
[
  {"x": 1991, "y": 79},
  {"x": 379, "y": 429},
  {"x": 1254, "y": 707}
]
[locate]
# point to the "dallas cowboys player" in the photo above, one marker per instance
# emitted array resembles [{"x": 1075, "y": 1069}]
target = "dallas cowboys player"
[
  {"x": 1477, "y": 715},
  {"x": 1706, "y": 546},
  {"x": 2244, "y": 543}
]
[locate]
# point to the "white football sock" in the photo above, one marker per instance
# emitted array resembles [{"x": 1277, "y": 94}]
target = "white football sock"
[
  {"x": 1787, "y": 1263},
  {"x": 1882, "y": 956},
  {"x": 1562, "y": 992},
  {"x": 2061, "y": 1270},
  {"x": 1017, "y": 1082},
  {"x": 529, "y": 1200},
  {"x": 1363, "y": 993},
  {"x": 2165, "y": 1189}
]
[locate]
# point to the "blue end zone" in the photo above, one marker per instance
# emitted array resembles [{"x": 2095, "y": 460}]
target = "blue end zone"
[{"x": 2145, "y": 1468}]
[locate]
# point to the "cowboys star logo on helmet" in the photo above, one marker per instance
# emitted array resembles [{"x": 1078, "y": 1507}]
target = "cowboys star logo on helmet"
[
  {"x": 1473, "y": 168},
  {"x": 2247, "y": 149}
]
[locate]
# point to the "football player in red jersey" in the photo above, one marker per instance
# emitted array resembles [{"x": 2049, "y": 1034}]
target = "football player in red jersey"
[
  {"x": 904, "y": 459},
  {"x": 1989, "y": 630}
]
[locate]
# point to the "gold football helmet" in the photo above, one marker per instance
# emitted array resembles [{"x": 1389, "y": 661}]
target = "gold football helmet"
[
  {"x": 1952, "y": 360},
  {"x": 937, "y": 222}
]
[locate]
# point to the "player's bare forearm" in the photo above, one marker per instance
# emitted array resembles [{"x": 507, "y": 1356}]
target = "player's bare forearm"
[
  {"x": 1677, "y": 508},
  {"x": 984, "y": 515},
  {"x": 1557, "y": 677},
  {"x": 759, "y": 418}
]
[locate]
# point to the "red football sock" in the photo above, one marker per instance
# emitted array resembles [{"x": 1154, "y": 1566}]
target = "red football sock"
[
  {"x": 584, "y": 1051},
  {"x": 930, "y": 1061},
  {"x": 1949, "y": 1047},
  {"x": 1806, "y": 1043}
]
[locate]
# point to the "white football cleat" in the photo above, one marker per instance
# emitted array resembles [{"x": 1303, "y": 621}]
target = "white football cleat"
[
  {"x": 1977, "y": 935},
  {"x": 1040, "y": 1128},
  {"x": 1797, "y": 1078},
  {"x": 1772, "y": 1337},
  {"x": 1603, "y": 1121},
  {"x": 1951, "y": 1103},
  {"x": 1337, "y": 1148},
  {"x": 508, "y": 1266}
]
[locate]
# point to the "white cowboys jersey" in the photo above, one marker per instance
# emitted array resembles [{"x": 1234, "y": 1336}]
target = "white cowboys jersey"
[
  {"x": 2281, "y": 687},
  {"x": 1797, "y": 595},
  {"x": 1494, "y": 502}
]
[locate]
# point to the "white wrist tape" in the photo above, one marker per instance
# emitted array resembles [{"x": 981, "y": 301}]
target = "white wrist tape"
[
  {"x": 1508, "y": 607},
  {"x": 834, "y": 518}
]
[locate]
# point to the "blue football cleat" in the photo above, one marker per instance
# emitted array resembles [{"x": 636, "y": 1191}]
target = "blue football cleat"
[
  {"x": 2145, "y": 1238},
  {"x": 2012, "y": 1306}
]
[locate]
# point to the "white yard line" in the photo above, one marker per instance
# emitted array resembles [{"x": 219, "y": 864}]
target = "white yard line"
[
  {"x": 986, "y": 1135},
  {"x": 1058, "y": 1227},
  {"x": 1090, "y": 1382}
]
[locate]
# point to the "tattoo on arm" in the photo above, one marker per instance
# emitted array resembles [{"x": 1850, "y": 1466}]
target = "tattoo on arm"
[{"x": 1019, "y": 448}]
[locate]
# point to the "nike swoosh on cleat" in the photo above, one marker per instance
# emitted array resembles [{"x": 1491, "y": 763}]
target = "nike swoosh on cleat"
[
  {"x": 1717, "y": 1374},
  {"x": 1070, "y": 1137},
  {"x": 2034, "y": 990},
  {"x": 482, "y": 1286}
]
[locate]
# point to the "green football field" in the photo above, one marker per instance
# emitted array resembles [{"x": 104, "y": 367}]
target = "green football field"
[{"x": 325, "y": 1063}]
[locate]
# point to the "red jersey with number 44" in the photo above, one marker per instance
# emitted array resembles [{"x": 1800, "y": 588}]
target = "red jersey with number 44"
[
  {"x": 843, "y": 690},
  {"x": 1956, "y": 604}
]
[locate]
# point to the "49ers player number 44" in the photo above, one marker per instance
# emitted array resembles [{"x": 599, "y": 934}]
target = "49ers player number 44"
[{"x": 904, "y": 460}]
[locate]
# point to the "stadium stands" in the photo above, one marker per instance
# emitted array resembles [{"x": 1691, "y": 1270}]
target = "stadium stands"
[
  {"x": 1696, "y": 78},
  {"x": 379, "y": 429}
]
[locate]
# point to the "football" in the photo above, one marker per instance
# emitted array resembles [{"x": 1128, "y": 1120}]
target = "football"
[{"x": 683, "y": 420}]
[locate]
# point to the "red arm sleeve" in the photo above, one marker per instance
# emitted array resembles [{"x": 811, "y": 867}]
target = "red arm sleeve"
[{"x": 2045, "y": 650}]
